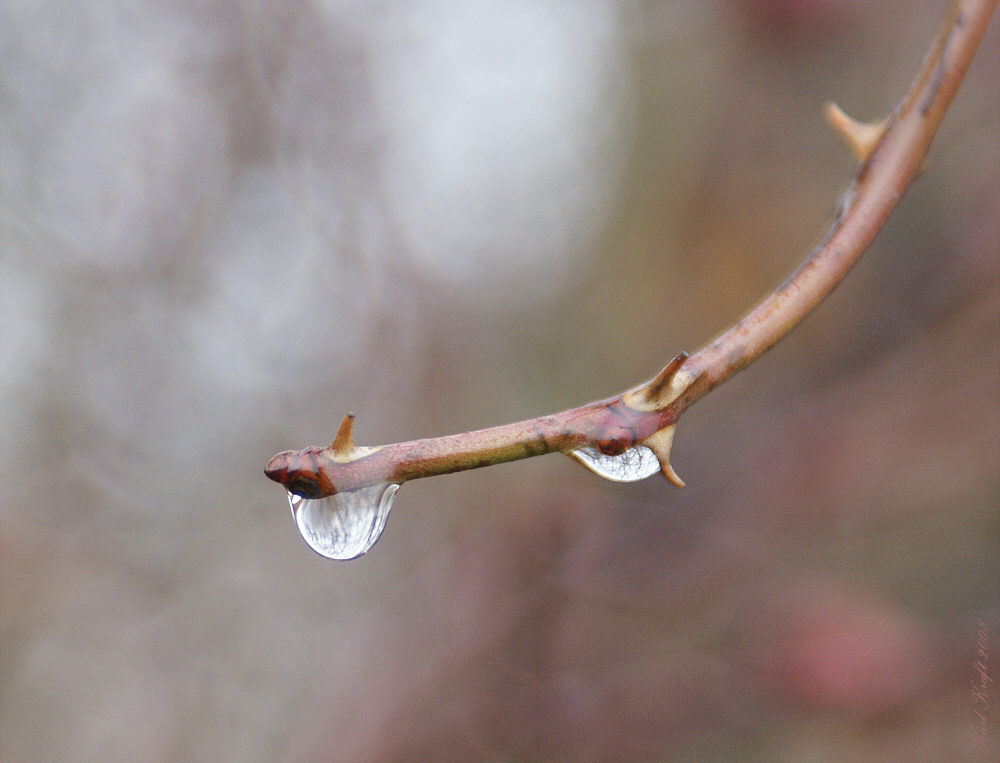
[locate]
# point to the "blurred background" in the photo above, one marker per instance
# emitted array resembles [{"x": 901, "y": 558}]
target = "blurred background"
[{"x": 225, "y": 224}]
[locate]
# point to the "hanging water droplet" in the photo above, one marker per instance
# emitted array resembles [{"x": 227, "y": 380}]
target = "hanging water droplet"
[
  {"x": 344, "y": 526},
  {"x": 636, "y": 463}
]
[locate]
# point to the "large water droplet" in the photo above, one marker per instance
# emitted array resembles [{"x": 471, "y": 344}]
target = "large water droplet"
[
  {"x": 636, "y": 463},
  {"x": 344, "y": 526}
]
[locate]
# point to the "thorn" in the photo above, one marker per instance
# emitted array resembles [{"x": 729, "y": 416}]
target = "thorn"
[
  {"x": 652, "y": 392},
  {"x": 343, "y": 444},
  {"x": 664, "y": 388},
  {"x": 862, "y": 137},
  {"x": 660, "y": 443}
]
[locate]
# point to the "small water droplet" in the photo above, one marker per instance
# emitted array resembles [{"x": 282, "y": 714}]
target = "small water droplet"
[
  {"x": 636, "y": 463},
  {"x": 346, "y": 525}
]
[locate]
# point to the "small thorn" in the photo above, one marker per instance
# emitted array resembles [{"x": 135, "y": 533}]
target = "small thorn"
[
  {"x": 660, "y": 443},
  {"x": 653, "y": 391},
  {"x": 664, "y": 388},
  {"x": 862, "y": 137},
  {"x": 343, "y": 443}
]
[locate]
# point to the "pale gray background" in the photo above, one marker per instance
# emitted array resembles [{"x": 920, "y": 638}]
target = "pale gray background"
[{"x": 227, "y": 223}]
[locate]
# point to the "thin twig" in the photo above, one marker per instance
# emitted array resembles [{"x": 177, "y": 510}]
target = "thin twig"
[
  {"x": 891, "y": 153},
  {"x": 888, "y": 167}
]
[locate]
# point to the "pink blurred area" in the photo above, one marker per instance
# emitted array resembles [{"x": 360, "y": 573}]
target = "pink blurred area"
[{"x": 225, "y": 225}]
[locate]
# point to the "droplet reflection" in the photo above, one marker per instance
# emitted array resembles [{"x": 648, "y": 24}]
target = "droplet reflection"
[
  {"x": 346, "y": 525},
  {"x": 636, "y": 463}
]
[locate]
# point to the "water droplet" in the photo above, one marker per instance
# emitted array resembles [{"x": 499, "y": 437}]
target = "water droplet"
[
  {"x": 636, "y": 463},
  {"x": 344, "y": 526}
]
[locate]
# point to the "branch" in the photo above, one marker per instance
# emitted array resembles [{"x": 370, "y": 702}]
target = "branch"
[{"x": 612, "y": 436}]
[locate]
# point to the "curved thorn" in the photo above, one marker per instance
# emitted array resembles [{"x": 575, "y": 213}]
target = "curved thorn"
[
  {"x": 862, "y": 137},
  {"x": 660, "y": 443}
]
